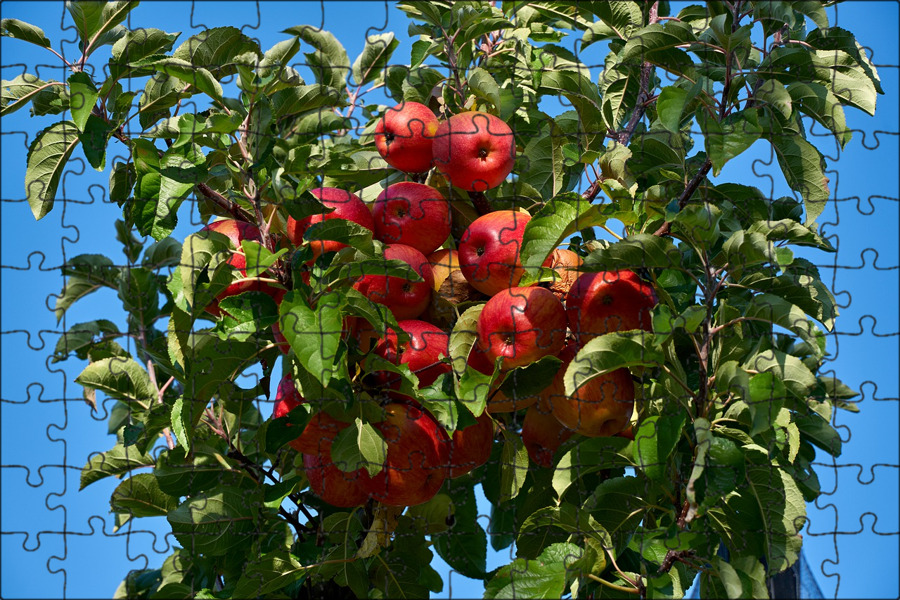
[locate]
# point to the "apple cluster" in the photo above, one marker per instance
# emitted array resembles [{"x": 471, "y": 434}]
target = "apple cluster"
[{"x": 517, "y": 326}]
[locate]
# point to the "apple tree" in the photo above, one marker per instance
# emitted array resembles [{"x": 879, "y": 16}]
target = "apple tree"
[{"x": 505, "y": 273}]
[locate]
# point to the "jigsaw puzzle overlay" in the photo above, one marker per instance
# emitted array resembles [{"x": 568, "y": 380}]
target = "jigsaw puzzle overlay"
[{"x": 481, "y": 299}]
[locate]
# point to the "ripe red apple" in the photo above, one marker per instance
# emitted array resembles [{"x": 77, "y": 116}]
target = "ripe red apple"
[
  {"x": 471, "y": 447},
  {"x": 564, "y": 262},
  {"x": 427, "y": 345},
  {"x": 327, "y": 481},
  {"x": 237, "y": 231},
  {"x": 600, "y": 407},
  {"x": 606, "y": 301},
  {"x": 542, "y": 434},
  {"x": 346, "y": 206},
  {"x": 404, "y": 136},
  {"x": 287, "y": 398},
  {"x": 474, "y": 150},
  {"x": 413, "y": 214},
  {"x": 406, "y": 299},
  {"x": 489, "y": 250},
  {"x": 416, "y": 461},
  {"x": 522, "y": 325}
]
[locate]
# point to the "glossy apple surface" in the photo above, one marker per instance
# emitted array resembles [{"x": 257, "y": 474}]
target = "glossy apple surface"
[
  {"x": 606, "y": 301},
  {"x": 427, "y": 345},
  {"x": 413, "y": 214},
  {"x": 346, "y": 206},
  {"x": 406, "y": 299},
  {"x": 404, "y": 136},
  {"x": 416, "y": 461},
  {"x": 521, "y": 325},
  {"x": 474, "y": 150},
  {"x": 489, "y": 250},
  {"x": 471, "y": 447},
  {"x": 542, "y": 434}
]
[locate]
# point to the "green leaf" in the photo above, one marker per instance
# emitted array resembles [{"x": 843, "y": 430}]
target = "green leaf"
[
  {"x": 94, "y": 19},
  {"x": 83, "y": 96},
  {"x": 24, "y": 88},
  {"x": 797, "y": 377},
  {"x": 94, "y": 140},
  {"x": 313, "y": 333},
  {"x": 589, "y": 456},
  {"x": 582, "y": 94},
  {"x": 46, "y": 159},
  {"x": 619, "y": 85},
  {"x": 216, "y": 49},
  {"x": 670, "y": 107},
  {"x": 330, "y": 62},
  {"x": 181, "y": 169},
  {"x": 781, "y": 508},
  {"x": 375, "y": 56},
  {"x": 765, "y": 398},
  {"x": 80, "y": 338},
  {"x": 344, "y": 231},
  {"x": 609, "y": 352},
  {"x": 116, "y": 461},
  {"x": 642, "y": 250},
  {"x": 544, "y": 577},
  {"x": 836, "y": 38},
  {"x": 654, "y": 441},
  {"x": 803, "y": 168},
  {"x": 464, "y": 545},
  {"x": 482, "y": 84},
  {"x": 268, "y": 573},
  {"x": 620, "y": 19},
  {"x": 559, "y": 218},
  {"x": 122, "y": 379},
  {"x": 792, "y": 231},
  {"x": 817, "y": 101},
  {"x": 618, "y": 504},
  {"x": 567, "y": 517},
  {"x": 197, "y": 76},
  {"x": 522, "y": 382},
  {"x": 359, "y": 446},
  {"x": 75, "y": 289},
  {"x": 774, "y": 94},
  {"x": 26, "y": 32},
  {"x": 216, "y": 521},
  {"x": 513, "y": 466},
  {"x": 140, "y": 496},
  {"x": 657, "y": 43},
  {"x": 730, "y": 137},
  {"x": 806, "y": 291},
  {"x": 820, "y": 432},
  {"x": 137, "y": 45}
]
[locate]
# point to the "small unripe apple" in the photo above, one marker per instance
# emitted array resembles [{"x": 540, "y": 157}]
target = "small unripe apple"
[
  {"x": 521, "y": 325},
  {"x": 471, "y": 447},
  {"x": 606, "y": 301},
  {"x": 413, "y": 214},
  {"x": 346, "y": 206},
  {"x": 416, "y": 463},
  {"x": 489, "y": 250},
  {"x": 474, "y": 150},
  {"x": 404, "y": 136},
  {"x": 542, "y": 434},
  {"x": 427, "y": 345},
  {"x": 406, "y": 299}
]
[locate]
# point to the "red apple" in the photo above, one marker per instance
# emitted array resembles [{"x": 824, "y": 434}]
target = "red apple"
[
  {"x": 521, "y": 325},
  {"x": 600, "y": 407},
  {"x": 406, "y": 299},
  {"x": 287, "y": 398},
  {"x": 489, "y": 250},
  {"x": 542, "y": 434},
  {"x": 416, "y": 461},
  {"x": 327, "y": 481},
  {"x": 474, "y": 150},
  {"x": 404, "y": 136},
  {"x": 236, "y": 232},
  {"x": 346, "y": 206},
  {"x": 471, "y": 447},
  {"x": 427, "y": 345},
  {"x": 606, "y": 301},
  {"x": 413, "y": 214}
]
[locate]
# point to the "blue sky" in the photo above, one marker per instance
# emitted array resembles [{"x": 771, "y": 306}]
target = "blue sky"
[{"x": 57, "y": 541}]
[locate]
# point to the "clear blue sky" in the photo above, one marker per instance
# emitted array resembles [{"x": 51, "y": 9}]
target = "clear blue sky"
[{"x": 57, "y": 541}]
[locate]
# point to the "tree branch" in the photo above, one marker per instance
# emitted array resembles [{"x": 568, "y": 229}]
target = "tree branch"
[
  {"x": 224, "y": 203},
  {"x": 686, "y": 194}
]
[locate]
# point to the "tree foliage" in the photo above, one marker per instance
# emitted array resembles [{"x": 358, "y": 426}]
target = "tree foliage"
[{"x": 732, "y": 407}]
